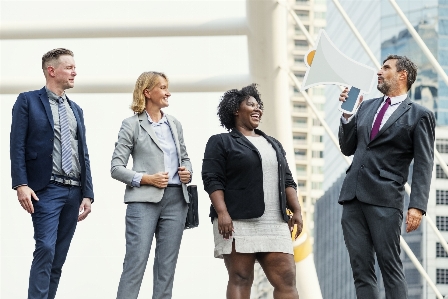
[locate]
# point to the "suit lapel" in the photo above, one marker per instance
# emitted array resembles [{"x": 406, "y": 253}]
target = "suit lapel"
[
  {"x": 173, "y": 128},
  {"x": 404, "y": 106},
  {"x": 144, "y": 123},
  {"x": 78, "y": 120},
  {"x": 239, "y": 137},
  {"x": 46, "y": 102}
]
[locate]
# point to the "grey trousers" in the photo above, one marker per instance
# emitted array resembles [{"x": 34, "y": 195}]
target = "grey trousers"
[
  {"x": 367, "y": 230},
  {"x": 165, "y": 220}
]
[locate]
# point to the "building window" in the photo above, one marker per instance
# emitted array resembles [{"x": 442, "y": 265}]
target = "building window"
[
  {"x": 303, "y": 14},
  {"x": 299, "y": 138},
  {"x": 442, "y": 223},
  {"x": 440, "y": 174},
  {"x": 298, "y": 59},
  {"x": 301, "y": 184},
  {"x": 318, "y": 138},
  {"x": 300, "y": 122},
  {"x": 316, "y": 185},
  {"x": 316, "y": 122},
  {"x": 442, "y": 197},
  {"x": 442, "y": 276},
  {"x": 301, "y": 44},
  {"x": 317, "y": 154},
  {"x": 442, "y": 145},
  {"x": 301, "y": 169},
  {"x": 299, "y": 75},
  {"x": 319, "y": 170},
  {"x": 299, "y": 107},
  {"x": 299, "y": 31},
  {"x": 440, "y": 251},
  {"x": 300, "y": 154}
]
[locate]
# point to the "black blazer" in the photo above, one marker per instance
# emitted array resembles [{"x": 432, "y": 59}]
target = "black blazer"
[
  {"x": 31, "y": 143},
  {"x": 233, "y": 164},
  {"x": 380, "y": 167}
]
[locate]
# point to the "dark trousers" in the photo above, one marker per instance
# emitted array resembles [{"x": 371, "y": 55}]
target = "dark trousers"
[
  {"x": 54, "y": 219},
  {"x": 367, "y": 230}
]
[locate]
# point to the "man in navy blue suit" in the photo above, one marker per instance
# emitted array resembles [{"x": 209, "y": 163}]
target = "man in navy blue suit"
[{"x": 50, "y": 168}]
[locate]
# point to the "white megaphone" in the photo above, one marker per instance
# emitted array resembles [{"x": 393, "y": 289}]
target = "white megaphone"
[{"x": 327, "y": 65}]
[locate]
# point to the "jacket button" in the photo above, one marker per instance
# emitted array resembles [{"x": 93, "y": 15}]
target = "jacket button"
[
  {"x": 362, "y": 166},
  {"x": 51, "y": 155},
  {"x": 368, "y": 148}
]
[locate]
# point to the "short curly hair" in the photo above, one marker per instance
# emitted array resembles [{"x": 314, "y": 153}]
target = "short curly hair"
[{"x": 230, "y": 103}]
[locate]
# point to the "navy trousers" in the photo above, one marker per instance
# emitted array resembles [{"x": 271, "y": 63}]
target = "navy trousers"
[
  {"x": 54, "y": 219},
  {"x": 367, "y": 230}
]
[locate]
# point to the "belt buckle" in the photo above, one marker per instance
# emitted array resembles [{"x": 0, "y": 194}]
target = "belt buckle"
[{"x": 66, "y": 181}]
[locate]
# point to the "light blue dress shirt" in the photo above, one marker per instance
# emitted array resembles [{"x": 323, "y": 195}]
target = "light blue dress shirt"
[{"x": 166, "y": 141}]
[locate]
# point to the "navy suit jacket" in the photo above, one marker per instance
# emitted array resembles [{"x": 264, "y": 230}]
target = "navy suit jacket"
[
  {"x": 31, "y": 142},
  {"x": 380, "y": 167}
]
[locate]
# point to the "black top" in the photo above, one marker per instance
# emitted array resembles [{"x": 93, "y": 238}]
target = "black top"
[{"x": 233, "y": 164}]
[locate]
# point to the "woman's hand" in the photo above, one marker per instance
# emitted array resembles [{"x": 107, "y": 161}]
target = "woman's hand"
[
  {"x": 225, "y": 225},
  {"x": 296, "y": 219},
  {"x": 159, "y": 180},
  {"x": 184, "y": 174}
]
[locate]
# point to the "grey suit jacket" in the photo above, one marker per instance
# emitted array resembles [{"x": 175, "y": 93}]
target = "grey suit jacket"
[
  {"x": 380, "y": 167},
  {"x": 138, "y": 139}
]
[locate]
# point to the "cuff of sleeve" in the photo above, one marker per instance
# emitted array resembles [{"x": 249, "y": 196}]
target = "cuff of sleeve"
[
  {"x": 346, "y": 121},
  {"x": 213, "y": 188},
  {"x": 15, "y": 187},
  {"x": 137, "y": 179}
]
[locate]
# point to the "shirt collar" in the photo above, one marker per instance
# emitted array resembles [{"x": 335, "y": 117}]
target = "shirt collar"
[
  {"x": 397, "y": 99},
  {"x": 53, "y": 97},
  {"x": 161, "y": 121}
]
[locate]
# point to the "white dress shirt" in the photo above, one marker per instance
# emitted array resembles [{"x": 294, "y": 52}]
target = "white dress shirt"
[
  {"x": 394, "y": 103},
  {"x": 168, "y": 145}
]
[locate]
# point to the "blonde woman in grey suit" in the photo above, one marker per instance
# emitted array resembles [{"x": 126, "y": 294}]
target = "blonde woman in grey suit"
[{"x": 156, "y": 193}]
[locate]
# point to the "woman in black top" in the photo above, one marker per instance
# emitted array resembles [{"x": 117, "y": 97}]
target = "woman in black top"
[{"x": 247, "y": 177}]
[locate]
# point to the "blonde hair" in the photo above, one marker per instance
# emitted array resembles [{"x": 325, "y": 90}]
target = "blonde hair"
[{"x": 147, "y": 80}]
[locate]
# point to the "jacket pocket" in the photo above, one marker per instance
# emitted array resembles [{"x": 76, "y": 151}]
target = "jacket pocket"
[
  {"x": 30, "y": 156},
  {"x": 391, "y": 176}
]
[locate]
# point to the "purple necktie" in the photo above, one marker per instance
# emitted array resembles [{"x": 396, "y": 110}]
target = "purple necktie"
[{"x": 379, "y": 118}]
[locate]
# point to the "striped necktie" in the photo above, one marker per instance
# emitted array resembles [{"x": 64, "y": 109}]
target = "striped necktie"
[{"x": 65, "y": 138}]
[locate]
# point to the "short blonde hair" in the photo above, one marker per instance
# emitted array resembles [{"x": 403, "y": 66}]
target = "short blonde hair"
[{"x": 147, "y": 80}]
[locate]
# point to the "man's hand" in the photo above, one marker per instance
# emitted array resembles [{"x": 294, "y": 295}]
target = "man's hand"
[
  {"x": 413, "y": 219},
  {"x": 24, "y": 194},
  {"x": 342, "y": 98},
  {"x": 184, "y": 174},
  {"x": 85, "y": 208}
]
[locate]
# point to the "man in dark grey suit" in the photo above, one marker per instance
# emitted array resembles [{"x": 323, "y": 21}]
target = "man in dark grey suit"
[{"x": 384, "y": 136}]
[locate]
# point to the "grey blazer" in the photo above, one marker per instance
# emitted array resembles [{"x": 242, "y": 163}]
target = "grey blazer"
[
  {"x": 137, "y": 138},
  {"x": 380, "y": 167}
]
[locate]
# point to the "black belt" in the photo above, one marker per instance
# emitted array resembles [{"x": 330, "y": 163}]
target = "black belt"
[
  {"x": 65, "y": 180},
  {"x": 174, "y": 185}
]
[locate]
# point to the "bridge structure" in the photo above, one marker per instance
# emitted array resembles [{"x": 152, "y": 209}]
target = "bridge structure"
[{"x": 265, "y": 26}]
